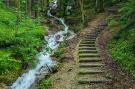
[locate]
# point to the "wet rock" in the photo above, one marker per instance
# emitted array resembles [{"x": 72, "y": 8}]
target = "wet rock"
[
  {"x": 55, "y": 69},
  {"x": 58, "y": 79},
  {"x": 103, "y": 23},
  {"x": 25, "y": 66},
  {"x": 58, "y": 37},
  {"x": 69, "y": 70},
  {"x": 40, "y": 49},
  {"x": 3, "y": 86}
]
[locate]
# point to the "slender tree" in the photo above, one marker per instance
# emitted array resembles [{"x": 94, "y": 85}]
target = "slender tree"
[
  {"x": 82, "y": 10},
  {"x": 28, "y": 7},
  {"x": 99, "y": 5},
  {"x": 17, "y": 3},
  {"x": 7, "y": 3},
  {"x": 45, "y": 6}
]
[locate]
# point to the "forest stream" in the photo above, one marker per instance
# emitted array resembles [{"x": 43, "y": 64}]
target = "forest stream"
[
  {"x": 44, "y": 58},
  {"x": 67, "y": 44}
]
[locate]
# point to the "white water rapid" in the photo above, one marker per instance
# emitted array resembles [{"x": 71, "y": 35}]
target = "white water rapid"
[{"x": 44, "y": 58}]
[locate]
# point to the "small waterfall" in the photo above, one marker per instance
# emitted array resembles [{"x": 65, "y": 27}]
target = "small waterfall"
[{"x": 44, "y": 57}]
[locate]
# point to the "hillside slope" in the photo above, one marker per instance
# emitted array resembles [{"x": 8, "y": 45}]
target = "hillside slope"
[{"x": 19, "y": 43}]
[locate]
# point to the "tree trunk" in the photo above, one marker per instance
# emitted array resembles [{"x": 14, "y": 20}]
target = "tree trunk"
[
  {"x": 17, "y": 3},
  {"x": 45, "y": 6},
  {"x": 82, "y": 11},
  {"x": 28, "y": 8},
  {"x": 7, "y": 3},
  {"x": 99, "y": 6}
]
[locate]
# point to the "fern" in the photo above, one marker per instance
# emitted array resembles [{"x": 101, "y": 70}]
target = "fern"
[{"x": 128, "y": 9}]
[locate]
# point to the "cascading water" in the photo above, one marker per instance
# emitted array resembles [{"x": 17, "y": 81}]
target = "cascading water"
[{"x": 44, "y": 58}]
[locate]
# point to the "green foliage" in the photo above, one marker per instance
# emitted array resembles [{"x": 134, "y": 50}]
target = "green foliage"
[
  {"x": 23, "y": 40},
  {"x": 122, "y": 50},
  {"x": 109, "y": 3},
  {"x": 8, "y": 78},
  {"x": 7, "y": 37},
  {"x": 127, "y": 9},
  {"x": 7, "y": 63},
  {"x": 45, "y": 84},
  {"x": 112, "y": 22},
  {"x": 7, "y": 17},
  {"x": 59, "y": 53}
]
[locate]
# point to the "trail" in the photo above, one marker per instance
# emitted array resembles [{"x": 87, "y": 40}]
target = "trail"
[
  {"x": 91, "y": 72},
  {"x": 66, "y": 78},
  {"x": 91, "y": 66}
]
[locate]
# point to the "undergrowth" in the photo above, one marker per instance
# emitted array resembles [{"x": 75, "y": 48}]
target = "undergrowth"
[
  {"x": 122, "y": 50},
  {"x": 122, "y": 46},
  {"x": 19, "y": 43}
]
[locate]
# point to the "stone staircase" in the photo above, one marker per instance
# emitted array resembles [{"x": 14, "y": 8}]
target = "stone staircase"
[{"x": 91, "y": 68}]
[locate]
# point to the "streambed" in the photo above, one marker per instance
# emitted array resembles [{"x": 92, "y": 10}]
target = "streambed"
[{"x": 44, "y": 58}]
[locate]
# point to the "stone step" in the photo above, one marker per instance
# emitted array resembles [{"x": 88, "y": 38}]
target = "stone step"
[
  {"x": 98, "y": 29},
  {"x": 95, "y": 75},
  {"x": 87, "y": 42},
  {"x": 91, "y": 39},
  {"x": 91, "y": 64},
  {"x": 91, "y": 80},
  {"x": 88, "y": 55},
  {"x": 90, "y": 59},
  {"x": 96, "y": 32},
  {"x": 87, "y": 45},
  {"x": 88, "y": 51},
  {"x": 91, "y": 35},
  {"x": 87, "y": 48},
  {"x": 91, "y": 70}
]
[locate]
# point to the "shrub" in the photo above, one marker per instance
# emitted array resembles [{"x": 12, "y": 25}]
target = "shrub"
[
  {"x": 59, "y": 53},
  {"x": 122, "y": 50},
  {"x": 7, "y": 63},
  {"x": 23, "y": 39},
  {"x": 45, "y": 84},
  {"x": 7, "y": 37}
]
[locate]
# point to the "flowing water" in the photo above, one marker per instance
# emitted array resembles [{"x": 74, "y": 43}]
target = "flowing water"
[{"x": 44, "y": 57}]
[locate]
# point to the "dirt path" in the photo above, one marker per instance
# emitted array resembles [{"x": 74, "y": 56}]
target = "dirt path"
[
  {"x": 66, "y": 77},
  {"x": 120, "y": 79}
]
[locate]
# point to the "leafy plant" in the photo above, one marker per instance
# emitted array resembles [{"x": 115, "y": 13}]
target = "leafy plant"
[
  {"x": 59, "y": 53},
  {"x": 45, "y": 84},
  {"x": 128, "y": 9},
  {"x": 122, "y": 50},
  {"x": 7, "y": 63},
  {"x": 24, "y": 40}
]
